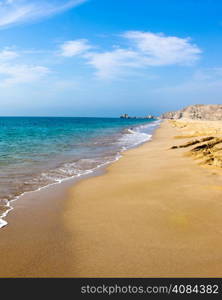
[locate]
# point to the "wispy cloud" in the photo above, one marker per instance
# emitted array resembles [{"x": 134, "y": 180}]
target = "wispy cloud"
[
  {"x": 21, "y": 73},
  {"x": 112, "y": 63},
  {"x": 8, "y": 54},
  {"x": 160, "y": 50},
  {"x": 13, "y": 12},
  {"x": 75, "y": 47},
  {"x": 143, "y": 50},
  {"x": 13, "y": 71}
]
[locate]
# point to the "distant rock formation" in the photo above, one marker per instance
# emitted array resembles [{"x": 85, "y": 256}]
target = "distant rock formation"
[
  {"x": 126, "y": 116},
  {"x": 211, "y": 112}
]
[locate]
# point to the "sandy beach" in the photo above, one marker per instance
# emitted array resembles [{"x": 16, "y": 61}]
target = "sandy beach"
[{"x": 154, "y": 213}]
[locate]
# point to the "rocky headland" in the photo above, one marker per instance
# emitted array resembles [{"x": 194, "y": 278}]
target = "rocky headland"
[{"x": 211, "y": 112}]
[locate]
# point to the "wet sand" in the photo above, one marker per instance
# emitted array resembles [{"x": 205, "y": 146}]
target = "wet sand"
[{"x": 154, "y": 213}]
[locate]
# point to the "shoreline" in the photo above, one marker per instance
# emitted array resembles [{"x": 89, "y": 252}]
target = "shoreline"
[
  {"x": 20, "y": 216},
  {"x": 71, "y": 181},
  {"x": 121, "y": 223},
  {"x": 75, "y": 178}
]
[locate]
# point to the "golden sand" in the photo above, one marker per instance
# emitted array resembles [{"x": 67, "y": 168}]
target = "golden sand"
[{"x": 154, "y": 213}]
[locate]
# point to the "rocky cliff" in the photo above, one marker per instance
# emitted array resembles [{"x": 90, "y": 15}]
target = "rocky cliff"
[{"x": 211, "y": 112}]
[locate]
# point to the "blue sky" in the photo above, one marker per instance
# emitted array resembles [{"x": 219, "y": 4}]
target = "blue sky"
[{"x": 106, "y": 57}]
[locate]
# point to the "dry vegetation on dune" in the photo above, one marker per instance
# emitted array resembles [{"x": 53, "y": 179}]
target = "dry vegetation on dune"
[{"x": 207, "y": 142}]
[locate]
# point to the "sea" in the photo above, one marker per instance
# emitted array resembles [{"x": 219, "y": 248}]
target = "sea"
[{"x": 39, "y": 151}]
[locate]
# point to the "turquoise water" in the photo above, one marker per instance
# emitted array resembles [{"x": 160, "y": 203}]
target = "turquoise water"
[{"x": 38, "y": 151}]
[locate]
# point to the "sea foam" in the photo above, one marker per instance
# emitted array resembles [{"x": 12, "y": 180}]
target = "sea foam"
[{"x": 105, "y": 151}]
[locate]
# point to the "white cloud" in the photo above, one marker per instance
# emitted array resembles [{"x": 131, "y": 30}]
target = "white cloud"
[
  {"x": 7, "y": 54},
  {"x": 18, "y": 11},
  {"x": 11, "y": 74},
  {"x": 109, "y": 64},
  {"x": 145, "y": 49},
  {"x": 160, "y": 50},
  {"x": 75, "y": 47},
  {"x": 13, "y": 71}
]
